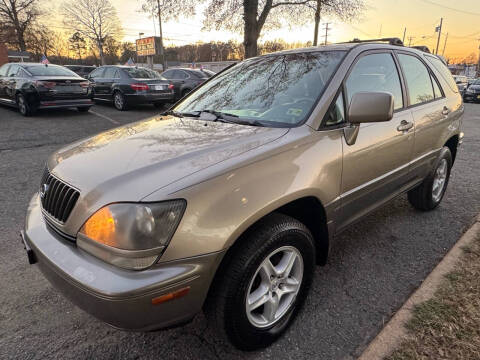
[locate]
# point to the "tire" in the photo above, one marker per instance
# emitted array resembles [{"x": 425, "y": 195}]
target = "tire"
[
  {"x": 119, "y": 101},
  {"x": 276, "y": 237},
  {"x": 185, "y": 92},
  {"x": 83, "y": 109},
  {"x": 24, "y": 107},
  {"x": 427, "y": 196}
]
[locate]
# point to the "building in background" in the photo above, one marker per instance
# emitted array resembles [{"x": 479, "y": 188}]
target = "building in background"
[
  {"x": 18, "y": 56},
  {"x": 3, "y": 54}
]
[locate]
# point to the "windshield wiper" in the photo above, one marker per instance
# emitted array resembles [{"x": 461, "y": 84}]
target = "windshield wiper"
[
  {"x": 229, "y": 118},
  {"x": 180, "y": 114}
]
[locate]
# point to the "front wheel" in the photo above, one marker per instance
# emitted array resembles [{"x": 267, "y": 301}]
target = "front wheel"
[
  {"x": 264, "y": 283},
  {"x": 428, "y": 195}
]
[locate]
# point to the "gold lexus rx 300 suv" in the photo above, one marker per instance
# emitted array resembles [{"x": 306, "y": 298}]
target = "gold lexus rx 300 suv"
[{"x": 226, "y": 202}]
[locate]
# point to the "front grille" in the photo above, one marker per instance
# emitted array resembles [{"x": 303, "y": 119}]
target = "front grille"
[{"x": 58, "y": 198}]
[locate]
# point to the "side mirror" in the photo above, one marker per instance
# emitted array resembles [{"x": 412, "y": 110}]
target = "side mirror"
[{"x": 367, "y": 107}]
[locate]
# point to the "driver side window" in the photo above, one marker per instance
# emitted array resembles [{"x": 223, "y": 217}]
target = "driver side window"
[{"x": 373, "y": 73}]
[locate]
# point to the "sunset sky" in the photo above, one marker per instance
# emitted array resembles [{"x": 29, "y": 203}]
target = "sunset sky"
[{"x": 387, "y": 18}]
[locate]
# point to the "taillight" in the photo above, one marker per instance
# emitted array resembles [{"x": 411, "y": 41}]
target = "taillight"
[
  {"x": 84, "y": 84},
  {"x": 171, "y": 87},
  {"x": 139, "y": 86},
  {"x": 46, "y": 84}
]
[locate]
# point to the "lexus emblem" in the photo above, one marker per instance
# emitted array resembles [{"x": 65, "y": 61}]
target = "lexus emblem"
[{"x": 43, "y": 190}]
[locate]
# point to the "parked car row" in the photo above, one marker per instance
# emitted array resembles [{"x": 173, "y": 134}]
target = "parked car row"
[
  {"x": 472, "y": 92},
  {"x": 34, "y": 86}
]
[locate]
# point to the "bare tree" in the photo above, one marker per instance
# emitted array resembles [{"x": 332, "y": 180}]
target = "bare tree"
[
  {"x": 165, "y": 10},
  {"x": 96, "y": 20},
  {"x": 251, "y": 16},
  {"x": 344, "y": 10},
  {"x": 77, "y": 44},
  {"x": 16, "y": 16}
]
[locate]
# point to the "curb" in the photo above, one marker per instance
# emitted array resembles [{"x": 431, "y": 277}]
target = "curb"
[{"x": 394, "y": 332}]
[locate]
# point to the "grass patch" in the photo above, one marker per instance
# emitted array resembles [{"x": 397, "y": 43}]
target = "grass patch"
[{"x": 448, "y": 325}]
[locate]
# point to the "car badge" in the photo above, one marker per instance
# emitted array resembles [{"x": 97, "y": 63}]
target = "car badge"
[{"x": 43, "y": 190}]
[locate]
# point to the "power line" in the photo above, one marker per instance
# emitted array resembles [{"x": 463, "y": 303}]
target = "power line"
[{"x": 450, "y": 8}]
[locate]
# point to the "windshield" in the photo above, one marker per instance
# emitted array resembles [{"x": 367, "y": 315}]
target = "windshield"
[
  {"x": 142, "y": 73},
  {"x": 476, "y": 82},
  {"x": 277, "y": 90},
  {"x": 49, "y": 70}
]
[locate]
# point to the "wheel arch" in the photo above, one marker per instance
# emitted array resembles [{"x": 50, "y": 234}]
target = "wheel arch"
[
  {"x": 452, "y": 144},
  {"x": 308, "y": 210}
]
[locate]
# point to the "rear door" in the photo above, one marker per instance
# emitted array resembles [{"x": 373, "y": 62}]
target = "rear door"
[
  {"x": 429, "y": 109},
  {"x": 110, "y": 76},
  {"x": 376, "y": 166},
  {"x": 95, "y": 78}
]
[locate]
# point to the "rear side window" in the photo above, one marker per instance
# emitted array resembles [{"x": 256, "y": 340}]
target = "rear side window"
[
  {"x": 12, "y": 71},
  {"x": 110, "y": 73},
  {"x": 168, "y": 74},
  {"x": 373, "y": 73},
  {"x": 97, "y": 73},
  {"x": 3, "y": 69},
  {"x": 443, "y": 70},
  {"x": 419, "y": 83}
]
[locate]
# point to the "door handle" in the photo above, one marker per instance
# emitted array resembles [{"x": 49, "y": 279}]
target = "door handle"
[
  {"x": 404, "y": 126},
  {"x": 445, "y": 111}
]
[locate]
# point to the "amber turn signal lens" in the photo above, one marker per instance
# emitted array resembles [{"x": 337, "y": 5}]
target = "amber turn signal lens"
[
  {"x": 171, "y": 296},
  {"x": 101, "y": 227}
]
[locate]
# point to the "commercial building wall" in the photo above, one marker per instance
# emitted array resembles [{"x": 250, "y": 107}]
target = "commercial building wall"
[{"x": 3, "y": 54}]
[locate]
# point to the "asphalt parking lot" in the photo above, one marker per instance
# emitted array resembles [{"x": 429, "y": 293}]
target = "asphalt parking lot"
[{"x": 372, "y": 270}]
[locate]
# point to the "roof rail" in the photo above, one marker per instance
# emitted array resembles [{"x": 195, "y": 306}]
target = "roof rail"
[
  {"x": 422, "y": 48},
  {"x": 391, "y": 41}
]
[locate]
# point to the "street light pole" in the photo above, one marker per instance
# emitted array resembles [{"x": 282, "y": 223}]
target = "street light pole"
[{"x": 162, "y": 52}]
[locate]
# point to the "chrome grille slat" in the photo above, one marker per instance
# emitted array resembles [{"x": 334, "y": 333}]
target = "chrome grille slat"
[{"x": 59, "y": 198}]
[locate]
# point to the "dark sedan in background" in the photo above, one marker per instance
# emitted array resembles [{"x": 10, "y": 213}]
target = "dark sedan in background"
[
  {"x": 472, "y": 94},
  {"x": 33, "y": 86},
  {"x": 81, "y": 70},
  {"x": 185, "y": 79},
  {"x": 127, "y": 85}
]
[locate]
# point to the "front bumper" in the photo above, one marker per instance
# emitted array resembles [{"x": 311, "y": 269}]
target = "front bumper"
[{"x": 121, "y": 298}]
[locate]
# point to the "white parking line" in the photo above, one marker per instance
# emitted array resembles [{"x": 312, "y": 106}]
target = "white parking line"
[{"x": 104, "y": 117}]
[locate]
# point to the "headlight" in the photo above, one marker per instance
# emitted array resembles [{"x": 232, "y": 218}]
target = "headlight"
[{"x": 131, "y": 235}]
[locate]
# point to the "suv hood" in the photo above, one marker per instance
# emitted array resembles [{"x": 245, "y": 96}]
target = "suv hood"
[{"x": 132, "y": 161}]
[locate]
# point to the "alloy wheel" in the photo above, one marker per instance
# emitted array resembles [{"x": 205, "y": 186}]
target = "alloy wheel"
[
  {"x": 118, "y": 100},
  {"x": 274, "y": 287},
  {"x": 439, "y": 180}
]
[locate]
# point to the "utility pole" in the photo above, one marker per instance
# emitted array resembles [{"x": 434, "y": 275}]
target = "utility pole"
[
  {"x": 439, "y": 29},
  {"x": 410, "y": 38},
  {"x": 478, "y": 64},
  {"x": 380, "y": 32},
  {"x": 327, "y": 29},
  {"x": 445, "y": 45},
  {"x": 404, "y": 33},
  {"x": 162, "y": 51}
]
